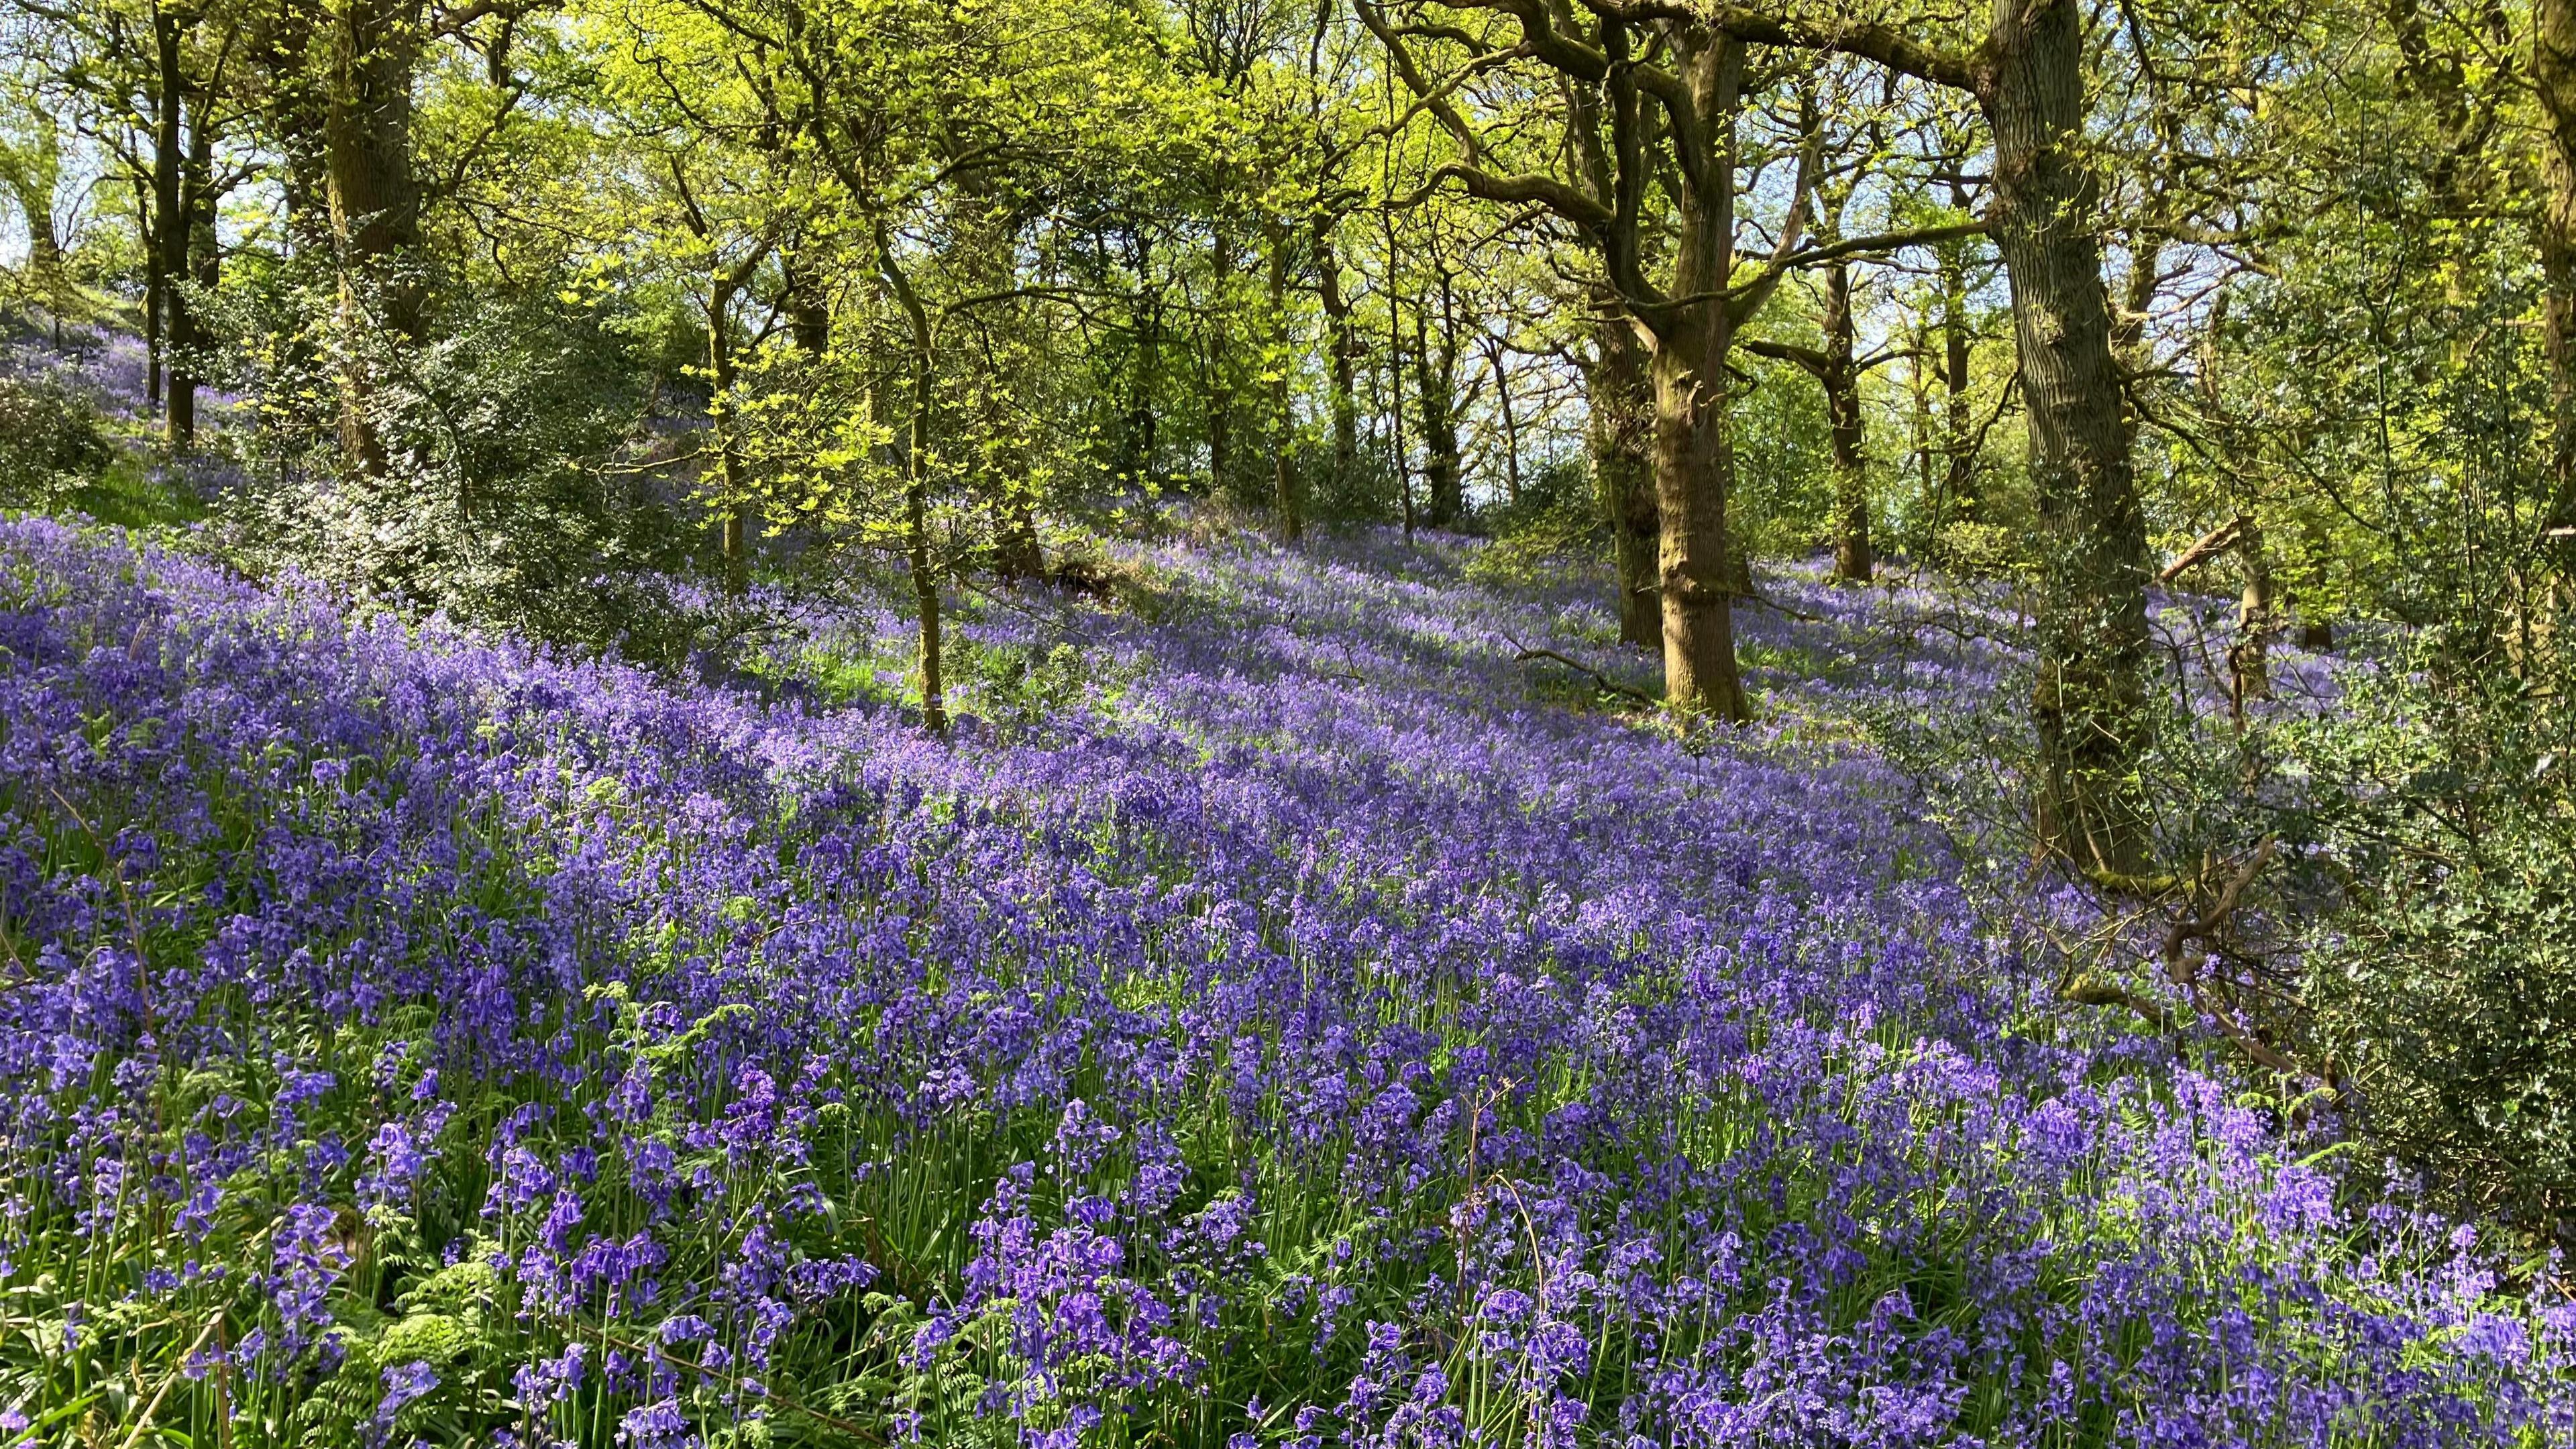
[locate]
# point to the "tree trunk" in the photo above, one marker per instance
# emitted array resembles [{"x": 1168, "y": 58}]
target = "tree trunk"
[
  {"x": 167, "y": 259},
  {"x": 1854, "y": 563},
  {"x": 2553, "y": 53},
  {"x": 919, "y": 558},
  {"x": 2089, "y": 702},
  {"x": 1959, "y": 479},
  {"x": 298, "y": 116},
  {"x": 1137, "y": 437},
  {"x": 32, "y": 179},
  {"x": 1343, "y": 356},
  {"x": 1623, "y": 469},
  {"x": 729, "y": 469},
  {"x": 1694, "y": 406},
  {"x": 149, "y": 233},
  {"x": 1435, "y": 385},
  {"x": 809, "y": 312},
  {"x": 916, "y": 547},
  {"x": 1285, "y": 492},
  {"x": 2257, "y": 617},
  {"x": 190, "y": 260},
  {"x": 1220, "y": 361},
  {"x": 1511, "y": 428},
  {"x": 1395, "y": 383},
  {"x": 375, "y": 201}
]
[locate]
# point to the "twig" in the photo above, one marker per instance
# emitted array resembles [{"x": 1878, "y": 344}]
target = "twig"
[
  {"x": 1756, "y": 596},
  {"x": 1607, "y": 685},
  {"x": 172, "y": 1377}
]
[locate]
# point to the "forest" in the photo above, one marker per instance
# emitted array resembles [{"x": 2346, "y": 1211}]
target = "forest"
[{"x": 1243, "y": 723}]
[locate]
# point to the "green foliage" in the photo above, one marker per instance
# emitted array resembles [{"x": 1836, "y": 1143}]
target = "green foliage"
[
  {"x": 1557, "y": 517},
  {"x": 503, "y": 496},
  {"x": 2446, "y": 984},
  {"x": 52, "y": 442}
]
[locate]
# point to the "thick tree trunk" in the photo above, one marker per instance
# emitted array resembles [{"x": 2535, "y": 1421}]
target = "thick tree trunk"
[
  {"x": 2089, "y": 702},
  {"x": 2553, "y": 53},
  {"x": 1694, "y": 471},
  {"x": 1854, "y": 562},
  {"x": 1623, "y": 469},
  {"x": 1694, "y": 406},
  {"x": 375, "y": 202},
  {"x": 1435, "y": 373},
  {"x": 298, "y": 113},
  {"x": 809, "y": 311},
  {"x": 32, "y": 181}
]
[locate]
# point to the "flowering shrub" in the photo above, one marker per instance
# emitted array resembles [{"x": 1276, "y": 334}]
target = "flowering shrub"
[{"x": 1310, "y": 1037}]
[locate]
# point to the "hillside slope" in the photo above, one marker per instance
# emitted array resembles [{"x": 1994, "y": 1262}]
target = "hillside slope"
[{"x": 1283, "y": 1015}]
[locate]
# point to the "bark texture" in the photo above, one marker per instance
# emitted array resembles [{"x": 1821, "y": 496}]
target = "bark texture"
[
  {"x": 375, "y": 203},
  {"x": 1623, "y": 468},
  {"x": 1855, "y": 562},
  {"x": 1694, "y": 397},
  {"x": 2088, "y": 704},
  {"x": 2553, "y": 66}
]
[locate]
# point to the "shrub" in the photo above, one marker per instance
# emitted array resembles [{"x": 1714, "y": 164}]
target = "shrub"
[
  {"x": 51, "y": 442},
  {"x": 500, "y": 501},
  {"x": 2446, "y": 983}
]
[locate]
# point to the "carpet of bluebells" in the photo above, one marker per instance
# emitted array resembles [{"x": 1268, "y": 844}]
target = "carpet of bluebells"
[{"x": 1278, "y": 1017}]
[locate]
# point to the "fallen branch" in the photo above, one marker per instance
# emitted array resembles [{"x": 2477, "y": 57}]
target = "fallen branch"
[
  {"x": 1604, "y": 682},
  {"x": 1755, "y": 596},
  {"x": 2183, "y": 952}
]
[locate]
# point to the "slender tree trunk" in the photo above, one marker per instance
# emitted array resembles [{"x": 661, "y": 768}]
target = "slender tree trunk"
[
  {"x": 1623, "y": 468},
  {"x": 1137, "y": 438},
  {"x": 1220, "y": 353},
  {"x": 916, "y": 547},
  {"x": 1285, "y": 493},
  {"x": 1395, "y": 392},
  {"x": 1342, "y": 358},
  {"x": 1511, "y": 428},
  {"x": 729, "y": 465},
  {"x": 2257, "y": 617},
  {"x": 1854, "y": 562},
  {"x": 919, "y": 558},
  {"x": 1919, "y": 392},
  {"x": 169, "y": 258},
  {"x": 2089, "y": 702},
  {"x": 192, "y": 264},
  {"x": 155, "y": 285},
  {"x": 1960, "y": 474}
]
